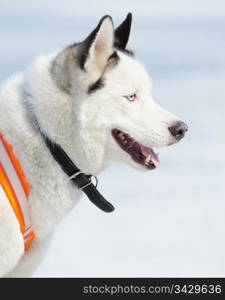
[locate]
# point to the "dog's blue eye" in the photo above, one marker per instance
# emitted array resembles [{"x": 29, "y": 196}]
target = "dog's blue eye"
[{"x": 131, "y": 97}]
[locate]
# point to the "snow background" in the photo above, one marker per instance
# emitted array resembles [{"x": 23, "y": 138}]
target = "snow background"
[{"x": 168, "y": 222}]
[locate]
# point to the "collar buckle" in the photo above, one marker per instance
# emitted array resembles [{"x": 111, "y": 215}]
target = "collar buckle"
[
  {"x": 83, "y": 187},
  {"x": 75, "y": 175}
]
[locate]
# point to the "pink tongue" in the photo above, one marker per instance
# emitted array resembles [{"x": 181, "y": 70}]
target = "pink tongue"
[
  {"x": 145, "y": 150},
  {"x": 154, "y": 158}
]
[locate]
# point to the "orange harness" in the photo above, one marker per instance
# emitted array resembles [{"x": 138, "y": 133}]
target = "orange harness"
[{"x": 14, "y": 186}]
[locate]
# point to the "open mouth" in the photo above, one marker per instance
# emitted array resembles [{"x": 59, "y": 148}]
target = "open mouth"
[{"x": 139, "y": 153}]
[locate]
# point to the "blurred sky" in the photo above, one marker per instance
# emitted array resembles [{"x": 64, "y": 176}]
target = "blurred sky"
[{"x": 168, "y": 222}]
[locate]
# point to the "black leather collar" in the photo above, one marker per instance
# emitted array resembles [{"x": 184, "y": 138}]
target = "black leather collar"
[{"x": 81, "y": 181}]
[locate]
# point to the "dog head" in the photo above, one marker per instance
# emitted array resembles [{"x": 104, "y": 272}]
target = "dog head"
[{"x": 114, "y": 113}]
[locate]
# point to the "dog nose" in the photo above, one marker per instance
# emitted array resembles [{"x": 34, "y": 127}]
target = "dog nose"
[{"x": 178, "y": 130}]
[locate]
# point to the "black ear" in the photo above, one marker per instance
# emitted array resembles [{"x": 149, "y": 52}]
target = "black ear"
[{"x": 122, "y": 33}]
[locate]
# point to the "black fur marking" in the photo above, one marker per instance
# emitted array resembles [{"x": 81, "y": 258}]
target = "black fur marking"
[
  {"x": 114, "y": 56},
  {"x": 96, "y": 86},
  {"x": 126, "y": 51},
  {"x": 113, "y": 59},
  {"x": 73, "y": 45},
  {"x": 122, "y": 33}
]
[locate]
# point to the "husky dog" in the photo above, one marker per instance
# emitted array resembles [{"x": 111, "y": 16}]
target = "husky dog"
[{"x": 94, "y": 100}]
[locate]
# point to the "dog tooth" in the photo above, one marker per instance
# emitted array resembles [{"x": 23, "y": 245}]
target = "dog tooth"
[{"x": 148, "y": 159}]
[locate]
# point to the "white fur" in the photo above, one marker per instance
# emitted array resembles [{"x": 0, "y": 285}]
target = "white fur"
[{"x": 82, "y": 125}]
